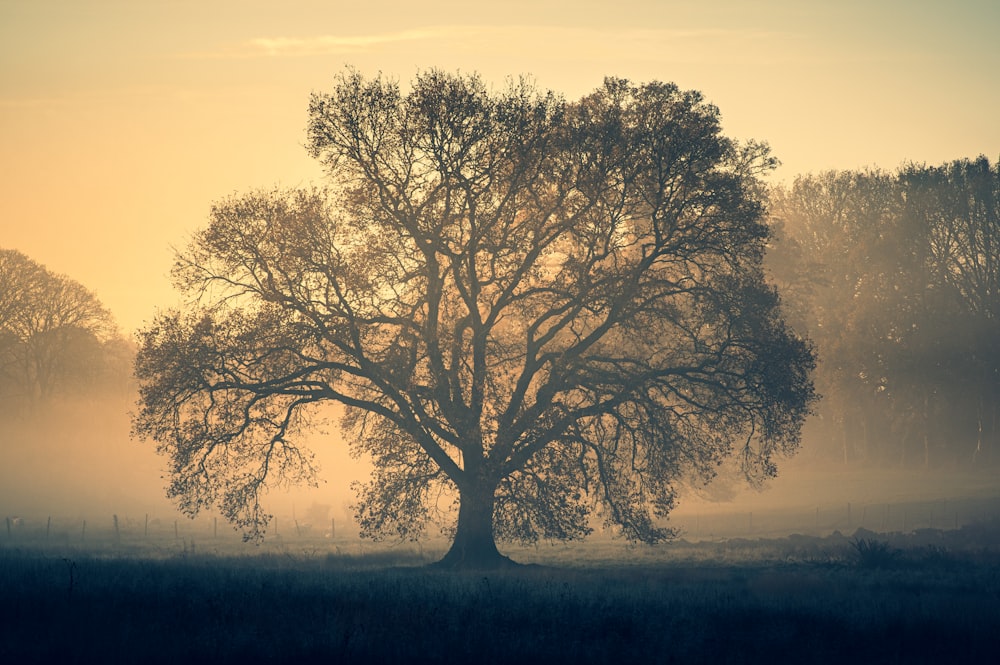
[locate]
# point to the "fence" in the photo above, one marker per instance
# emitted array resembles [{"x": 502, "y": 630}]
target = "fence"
[
  {"x": 178, "y": 533},
  {"x": 146, "y": 531}
]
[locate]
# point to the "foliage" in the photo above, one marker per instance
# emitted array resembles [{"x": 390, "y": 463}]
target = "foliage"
[
  {"x": 896, "y": 278},
  {"x": 548, "y": 309},
  {"x": 55, "y": 335},
  {"x": 871, "y": 553}
]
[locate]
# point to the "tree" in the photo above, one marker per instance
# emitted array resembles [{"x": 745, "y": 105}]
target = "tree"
[
  {"x": 958, "y": 206},
  {"x": 53, "y": 330},
  {"x": 836, "y": 258},
  {"x": 544, "y": 309},
  {"x": 895, "y": 277}
]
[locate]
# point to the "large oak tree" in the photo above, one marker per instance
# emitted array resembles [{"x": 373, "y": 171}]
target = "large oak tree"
[{"x": 550, "y": 311}]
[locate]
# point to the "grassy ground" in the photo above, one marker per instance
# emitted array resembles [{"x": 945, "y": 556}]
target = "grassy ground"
[{"x": 929, "y": 597}]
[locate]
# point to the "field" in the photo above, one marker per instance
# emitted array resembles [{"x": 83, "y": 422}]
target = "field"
[{"x": 133, "y": 594}]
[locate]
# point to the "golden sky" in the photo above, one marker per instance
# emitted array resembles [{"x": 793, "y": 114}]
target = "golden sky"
[{"x": 122, "y": 120}]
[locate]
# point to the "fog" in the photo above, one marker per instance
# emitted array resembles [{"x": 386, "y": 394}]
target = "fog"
[
  {"x": 819, "y": 497},
  {"x": 75, "y": 460}
]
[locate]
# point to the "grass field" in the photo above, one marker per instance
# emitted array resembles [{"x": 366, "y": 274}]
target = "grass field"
[{"x": 925, "y": 597}]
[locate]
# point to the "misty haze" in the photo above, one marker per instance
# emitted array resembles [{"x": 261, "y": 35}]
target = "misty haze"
[{"x": 508, "y": 372}]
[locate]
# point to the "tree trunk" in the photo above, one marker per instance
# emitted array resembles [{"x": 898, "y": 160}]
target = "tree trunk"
[{"x": 474, "y": 545}]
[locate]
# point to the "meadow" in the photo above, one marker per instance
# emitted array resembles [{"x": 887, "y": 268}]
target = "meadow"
[{"x": 163, "y": 596}]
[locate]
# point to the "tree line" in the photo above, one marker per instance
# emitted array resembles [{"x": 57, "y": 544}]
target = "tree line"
[
  {"x": 56, "y": 338},
  {"x": 895, "y": 277}
]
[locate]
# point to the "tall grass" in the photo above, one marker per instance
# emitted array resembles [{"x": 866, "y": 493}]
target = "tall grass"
[{"x": 388, "y": 607}]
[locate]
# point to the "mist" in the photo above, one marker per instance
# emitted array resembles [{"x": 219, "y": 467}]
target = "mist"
[
  {"x": 890, "y": 275},
  {"x": 73, "y": 459}
]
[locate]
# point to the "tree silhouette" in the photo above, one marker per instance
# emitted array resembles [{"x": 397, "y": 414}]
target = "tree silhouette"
[
  {"x": 896, "y": 278},
  {"x": 54, "y": 332},
  {"x": 546, "y": 310}
]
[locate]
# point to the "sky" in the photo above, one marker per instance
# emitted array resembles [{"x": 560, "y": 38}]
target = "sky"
[{"x": 122, "y": 121}]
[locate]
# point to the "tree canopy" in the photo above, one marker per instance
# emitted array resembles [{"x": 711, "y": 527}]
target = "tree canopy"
[
  {"x": 55, "y": 335},
  {"x": 897, "y": 279},
  {"x": 546, "y": 310}
]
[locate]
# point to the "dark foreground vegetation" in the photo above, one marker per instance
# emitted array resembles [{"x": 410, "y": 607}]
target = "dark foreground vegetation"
[{"x": 930, "y": 597}]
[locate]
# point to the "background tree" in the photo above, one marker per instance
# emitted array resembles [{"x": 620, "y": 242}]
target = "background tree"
[
  {"x": 543, "y": 309},
  {"x": 834, "y": 261},
  {"x": 895, "y": 277},
  {"x": 958, "y": 335},
  {"x": 55, "y": 335}
]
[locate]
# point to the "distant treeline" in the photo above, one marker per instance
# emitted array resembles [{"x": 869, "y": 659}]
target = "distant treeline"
[
  {"x": 896, "y": 279},
  {"x": 56, "y": 338}
]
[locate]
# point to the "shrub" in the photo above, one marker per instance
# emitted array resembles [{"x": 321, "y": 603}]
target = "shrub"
[{"x": 871, "y": 553}]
